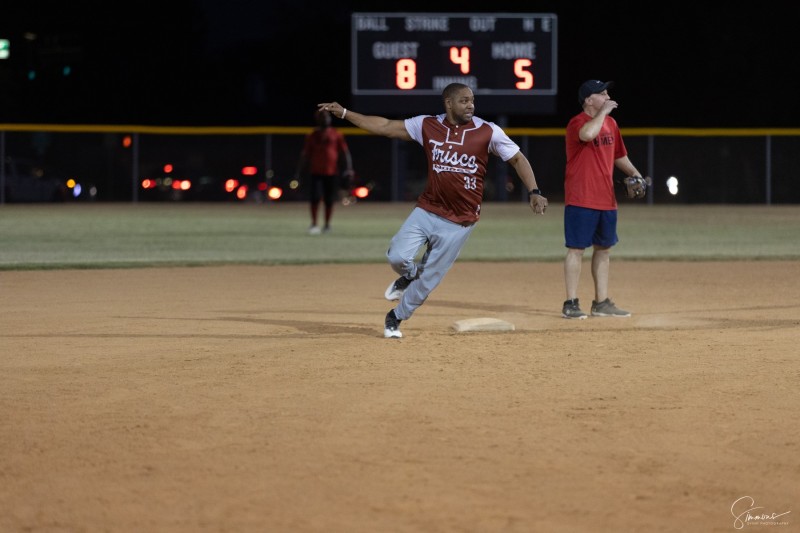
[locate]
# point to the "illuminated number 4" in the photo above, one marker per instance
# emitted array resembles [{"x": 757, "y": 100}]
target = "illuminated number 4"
[{"x": 460, "y": 56}]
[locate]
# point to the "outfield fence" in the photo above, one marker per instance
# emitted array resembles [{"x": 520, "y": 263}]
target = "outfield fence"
[{"x": 710, "y": 165}]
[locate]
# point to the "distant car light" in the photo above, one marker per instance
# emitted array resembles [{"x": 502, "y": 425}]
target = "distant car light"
[
  {"x": 274, "y": 193},
  {"x": 231, "y": 184}
]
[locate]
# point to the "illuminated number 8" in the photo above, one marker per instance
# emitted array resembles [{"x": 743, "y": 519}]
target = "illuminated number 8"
[{"x": 406, "y": 74}]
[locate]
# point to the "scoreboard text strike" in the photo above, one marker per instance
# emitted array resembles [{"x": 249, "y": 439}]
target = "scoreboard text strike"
[{"x": 402, "y": 61}]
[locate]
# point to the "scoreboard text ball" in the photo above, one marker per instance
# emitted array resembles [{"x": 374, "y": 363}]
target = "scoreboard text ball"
[{"x": 402, "y": 61}]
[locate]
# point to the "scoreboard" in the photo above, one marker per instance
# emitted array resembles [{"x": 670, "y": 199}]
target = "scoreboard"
[{"x": 401, "y": 62}]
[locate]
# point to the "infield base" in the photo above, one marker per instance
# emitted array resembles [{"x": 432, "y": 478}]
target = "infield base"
[{"x": 482, "y": 324}]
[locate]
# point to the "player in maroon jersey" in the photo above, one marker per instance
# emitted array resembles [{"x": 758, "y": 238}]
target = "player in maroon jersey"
[{"x": 457, "y": 144}]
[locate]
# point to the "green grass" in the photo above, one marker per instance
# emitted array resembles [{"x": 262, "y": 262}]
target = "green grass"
[{"x": 148, "y": 234}]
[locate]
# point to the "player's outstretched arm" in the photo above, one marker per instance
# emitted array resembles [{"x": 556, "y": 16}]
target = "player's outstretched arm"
[
  {"x": 395, "y": 129},
  {"x": 524, "y": 170}
]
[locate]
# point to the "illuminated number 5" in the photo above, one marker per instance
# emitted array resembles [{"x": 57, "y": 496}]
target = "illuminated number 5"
[
  {"x": 525, "y": 76},
  {"x": 406, "y": 74}
]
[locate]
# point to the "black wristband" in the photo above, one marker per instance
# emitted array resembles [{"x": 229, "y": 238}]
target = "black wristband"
[{"x": 534, "y": 191}]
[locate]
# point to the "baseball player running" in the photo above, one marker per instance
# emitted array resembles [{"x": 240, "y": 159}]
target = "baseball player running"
[{"x": 457, "y": 145}]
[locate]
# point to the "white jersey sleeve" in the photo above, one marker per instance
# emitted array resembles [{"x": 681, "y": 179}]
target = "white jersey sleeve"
[
  {"x": 501, "y": 144},
  {"x": 414, "y": 127}
]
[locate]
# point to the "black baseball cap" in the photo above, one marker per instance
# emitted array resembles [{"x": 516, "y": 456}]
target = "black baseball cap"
[{"x": 591, "y": 87}]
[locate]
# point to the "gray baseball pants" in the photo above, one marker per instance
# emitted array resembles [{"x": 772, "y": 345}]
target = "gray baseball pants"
[{"x": 424, "y": 249}]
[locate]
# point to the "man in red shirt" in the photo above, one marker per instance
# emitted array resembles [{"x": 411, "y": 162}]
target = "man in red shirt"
[
  {"x": 457, "y": 145},
  {"x": 320, "y": 153},
  {"x": 594, "y": 148}
]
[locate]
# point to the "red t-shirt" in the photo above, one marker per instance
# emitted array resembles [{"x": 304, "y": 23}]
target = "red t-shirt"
[
  {"x": 322, "y": 147},
  {"x": 457, "y": 160},
  {"x": 589, "y": 174}
]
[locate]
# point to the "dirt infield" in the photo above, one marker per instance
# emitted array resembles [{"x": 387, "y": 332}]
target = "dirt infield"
[{"x": 264, "y": 399}]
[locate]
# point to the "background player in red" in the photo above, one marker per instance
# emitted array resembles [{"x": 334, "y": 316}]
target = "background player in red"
[
  {"x": 594, "y": 148},
  {"x": 321, "y": 152},
  {"x": 457, "y": 145}
]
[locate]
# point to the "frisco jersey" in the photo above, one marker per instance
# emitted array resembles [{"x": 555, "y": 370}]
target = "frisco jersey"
[{"x": 457, "y": 160}]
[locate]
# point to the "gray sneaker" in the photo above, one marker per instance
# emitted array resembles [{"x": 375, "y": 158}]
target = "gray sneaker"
[
  {"x": 572, "y": 309},
  {"x": 607, "y": 308}
]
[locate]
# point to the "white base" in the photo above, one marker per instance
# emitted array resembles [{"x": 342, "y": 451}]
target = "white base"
[{"x": 482, "y": 324}]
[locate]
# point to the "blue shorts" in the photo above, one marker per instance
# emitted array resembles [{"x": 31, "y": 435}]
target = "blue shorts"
[{"x": 584, "y": 227}]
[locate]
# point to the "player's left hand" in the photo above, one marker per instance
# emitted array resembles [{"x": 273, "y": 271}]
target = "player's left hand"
[
  {"x": 636, "y": 186},
  {"x": 538, "y": 204}
]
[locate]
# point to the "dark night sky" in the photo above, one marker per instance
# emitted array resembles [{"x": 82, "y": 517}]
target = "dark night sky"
[{"x": 268, "y": 63}]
